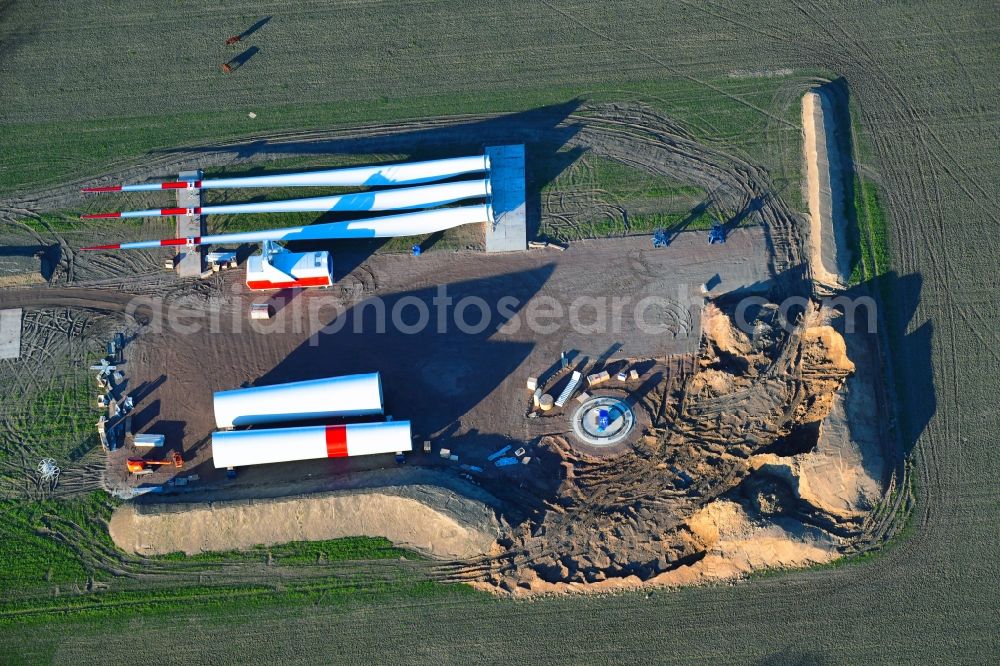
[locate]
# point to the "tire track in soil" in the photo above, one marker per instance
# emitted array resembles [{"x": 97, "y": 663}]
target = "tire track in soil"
[
  {"x": 634, "y": 518},
  {"x": 939, "y": 510},
  {"x": 833, "y": 55},
  {"x": 56, "y": 342},
  {"x": 929, "y": 188},
  {"x": 650, "y": 57}
]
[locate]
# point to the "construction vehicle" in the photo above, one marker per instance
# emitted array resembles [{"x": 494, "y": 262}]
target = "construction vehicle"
[
  {"x": 141, "y": 466},
  {"x": 717, "y": 234}
]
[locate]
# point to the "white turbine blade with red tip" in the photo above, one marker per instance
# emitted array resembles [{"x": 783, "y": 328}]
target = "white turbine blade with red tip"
[
  {"x": 410, "y": 173},
  {"x": 391, "y": 226},
  {"x": 426, "y": 196}
]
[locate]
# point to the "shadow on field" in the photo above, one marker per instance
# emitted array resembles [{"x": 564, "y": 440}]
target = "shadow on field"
[
  {"x": 242, "y": 58},
  {"x": 674, "y": 230},
  {"x": 255, "y": 27},
  {"x": 48, "y": 256},
  {"x": 754, "y": 205},
  {"x": 172, "y": 430},
  {"x": 909, "y": 353},
  {"x": 904, "y": 371}
]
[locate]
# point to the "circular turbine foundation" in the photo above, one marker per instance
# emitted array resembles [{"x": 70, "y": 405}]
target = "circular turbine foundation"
[{"x": 603, "y": 421}]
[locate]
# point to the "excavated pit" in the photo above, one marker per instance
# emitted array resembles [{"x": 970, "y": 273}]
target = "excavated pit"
[{"x": 640, "y": 518}]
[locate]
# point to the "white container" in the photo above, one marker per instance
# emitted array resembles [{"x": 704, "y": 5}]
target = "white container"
[
  {"x": 261, "y": 311},
  {"x": 149, "y": 440},
  {"x": 351, "y": 395},
  {"x": 238, "y": 448}
]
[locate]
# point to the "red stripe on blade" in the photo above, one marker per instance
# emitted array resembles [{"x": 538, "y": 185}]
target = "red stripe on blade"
[
  {"x": 176, "y": 185},
  {"x": 106, "y": 188},
  {"x": 180, "y": 241},
  {"x": 173, "y": 211},
  {"x": 99, "y": 216},
  {"x": 336, "y": 441}
]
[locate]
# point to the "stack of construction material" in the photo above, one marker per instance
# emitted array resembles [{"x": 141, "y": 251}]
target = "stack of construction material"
[{"x": 331, "y": 397}]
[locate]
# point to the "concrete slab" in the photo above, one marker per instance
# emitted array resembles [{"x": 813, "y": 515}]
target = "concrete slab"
[
  {"x": 10, "y": 333},
  {"x": 192, "y": 260},
  {"x": 510, "y": 231}
]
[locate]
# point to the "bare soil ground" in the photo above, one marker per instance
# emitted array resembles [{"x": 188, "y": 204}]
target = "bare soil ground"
[
  {"x": 829, "y": 257},
  {"x": 462, "y": 390},
  {"x": 158, "y": 529},
  {"x": 625, "y": 521}
]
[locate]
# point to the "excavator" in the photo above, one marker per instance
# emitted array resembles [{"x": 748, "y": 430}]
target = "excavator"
[{"x": 139, "y": 466}]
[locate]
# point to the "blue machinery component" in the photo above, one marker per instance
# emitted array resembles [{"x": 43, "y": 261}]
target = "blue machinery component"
[
  {"x": 717, "y": 234},
  {"x": 603, "y": 420},
  {"x": 496, "y": 454}
]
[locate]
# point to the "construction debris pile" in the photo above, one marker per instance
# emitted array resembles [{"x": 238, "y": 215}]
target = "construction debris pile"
[{"x": 628, "y": 519}]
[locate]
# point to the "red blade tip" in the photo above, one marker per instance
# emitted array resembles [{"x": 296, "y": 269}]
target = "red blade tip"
[
  {"x": 102, "y": 247},
  {"x": 98, "y": 216},
  {"x": 106, "y": 188}
]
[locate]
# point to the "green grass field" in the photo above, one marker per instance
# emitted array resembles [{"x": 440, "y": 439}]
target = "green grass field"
[
  {"x": 88, "y": 145},
  {"x": 53, "y": 568},
  {"x": 88, "y": 87}
]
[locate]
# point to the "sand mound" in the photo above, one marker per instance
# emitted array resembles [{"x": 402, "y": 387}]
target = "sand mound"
[
  {"x": 832, "y": 345},
  {"x": 468, "y": 529},
  {"x": 719, "y": 330},
  {"x": 734, "y": 544},
  {"x": 828, "y": 256},
  {"x": 744, "y": 544}
]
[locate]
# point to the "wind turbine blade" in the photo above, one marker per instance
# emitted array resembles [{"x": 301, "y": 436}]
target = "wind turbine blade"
[
  {"x": 426, "y": 196},
  {"x": 409, "y": 173},
  {"x": 391, "y": 226}
]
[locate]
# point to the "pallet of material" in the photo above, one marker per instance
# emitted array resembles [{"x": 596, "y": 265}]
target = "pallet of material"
[
  {"x": 538, "y": 245},
  {"x": 598, "y": 378},
  {"x": 568, "y": 391}
]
